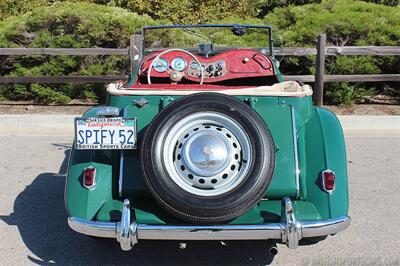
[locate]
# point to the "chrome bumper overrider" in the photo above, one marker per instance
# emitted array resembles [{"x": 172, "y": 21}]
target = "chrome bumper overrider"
[{"x": 289, "y": 230}]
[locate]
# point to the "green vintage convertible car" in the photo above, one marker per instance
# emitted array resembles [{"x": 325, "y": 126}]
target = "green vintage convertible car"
[{"x": 207, "y": 142}]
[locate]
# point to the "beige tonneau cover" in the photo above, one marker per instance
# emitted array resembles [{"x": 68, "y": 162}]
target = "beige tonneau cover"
[{"x": 283, "y": 89}]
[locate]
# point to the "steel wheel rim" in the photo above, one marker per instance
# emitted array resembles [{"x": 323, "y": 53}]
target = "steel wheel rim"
[{"x": 213, "y": 135}]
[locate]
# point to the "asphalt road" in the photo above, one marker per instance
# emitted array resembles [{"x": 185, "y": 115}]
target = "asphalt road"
[{"x": 33, "y": 228}]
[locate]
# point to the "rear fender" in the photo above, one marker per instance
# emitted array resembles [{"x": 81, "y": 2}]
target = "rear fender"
[
  {"x": 325, "y": 149},
  {"x": 79, "y": 200}
]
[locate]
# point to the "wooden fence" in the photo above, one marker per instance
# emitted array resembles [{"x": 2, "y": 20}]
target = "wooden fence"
[{"x": 321, "y": 52}]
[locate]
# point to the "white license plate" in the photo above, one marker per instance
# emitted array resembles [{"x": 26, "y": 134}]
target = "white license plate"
[{"x": 105, "y": 133}]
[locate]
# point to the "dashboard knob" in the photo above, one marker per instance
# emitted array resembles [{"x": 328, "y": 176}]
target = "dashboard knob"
[{"x": 210, "y": 68}]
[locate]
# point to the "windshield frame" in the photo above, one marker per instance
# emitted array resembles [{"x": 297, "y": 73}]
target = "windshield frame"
[{"x": 177, "y": 26}]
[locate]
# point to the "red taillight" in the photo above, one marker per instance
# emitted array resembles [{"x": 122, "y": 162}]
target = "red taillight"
[
  {"x": 328, "y": 180},
  {"x": 89, "y": 177}
]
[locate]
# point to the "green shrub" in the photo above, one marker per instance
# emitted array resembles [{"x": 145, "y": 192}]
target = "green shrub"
[
  {"x": 346, "y": 22},
  {"x": 193, "y": 11},
  {"x": 269, "y": 5},
  {"x": 48, "y": 95},
  {"x": 347, "y": 95},
  {"x": 385, "y": 2},
  {"x": 66, "y": 25},
  {"x": 15, "y": 7}
]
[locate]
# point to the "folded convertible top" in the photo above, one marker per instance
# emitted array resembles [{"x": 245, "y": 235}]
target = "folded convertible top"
[{"x": 283, "y": 89}]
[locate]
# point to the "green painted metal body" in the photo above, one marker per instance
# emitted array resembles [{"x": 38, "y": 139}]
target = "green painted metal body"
[{"x": 320, "y": 146}]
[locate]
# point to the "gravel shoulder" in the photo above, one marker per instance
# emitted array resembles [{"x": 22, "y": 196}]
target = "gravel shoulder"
[
  {"x": 365, "y": 109},
  {"x": 25, "y": 108}
]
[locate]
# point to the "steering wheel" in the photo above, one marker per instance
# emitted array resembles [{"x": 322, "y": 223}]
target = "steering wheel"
[{"x": 175, "y": 50}]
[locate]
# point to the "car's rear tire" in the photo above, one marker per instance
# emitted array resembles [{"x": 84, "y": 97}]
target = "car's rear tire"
[{"x": 207, "y": 158}]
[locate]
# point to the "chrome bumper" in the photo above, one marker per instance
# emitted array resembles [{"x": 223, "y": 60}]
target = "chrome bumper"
[{"x": 288, "y": 230}]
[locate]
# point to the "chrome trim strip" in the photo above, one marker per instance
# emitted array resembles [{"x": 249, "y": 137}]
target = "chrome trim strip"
[
  {"x": 121, "y": 161},
  {"x": 121, "y": 172},
  {"x": 289, "y": 230},
  {"x": 296, "y": 155},
  {"x": 216, "y": 232}
]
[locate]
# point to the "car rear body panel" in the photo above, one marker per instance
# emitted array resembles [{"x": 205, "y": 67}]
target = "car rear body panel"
[
  {"x": 277, "y": 117},
  {"x": 317, "y": 134}
]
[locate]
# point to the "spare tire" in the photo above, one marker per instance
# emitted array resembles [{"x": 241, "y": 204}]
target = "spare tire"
[{"x": 207, "y": 158}]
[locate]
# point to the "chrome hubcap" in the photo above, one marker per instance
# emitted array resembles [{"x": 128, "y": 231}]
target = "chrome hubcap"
[{"x": 207, "y": 154}]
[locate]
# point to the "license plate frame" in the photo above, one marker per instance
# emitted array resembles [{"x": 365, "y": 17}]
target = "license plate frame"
[{"x": 90, "y": 133}]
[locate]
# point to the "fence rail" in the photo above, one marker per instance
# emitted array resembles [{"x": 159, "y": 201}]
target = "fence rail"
[
  {"x": 346, "y": 78},
  {"x": 111, "y": 78},
  {"x": 280, "y": 51},
  {"x": 63, "y": 79},
  {"x": 321, "y": 52},
  {"x": 339, "y": 50},
  {"x": 63, "y": 51}
]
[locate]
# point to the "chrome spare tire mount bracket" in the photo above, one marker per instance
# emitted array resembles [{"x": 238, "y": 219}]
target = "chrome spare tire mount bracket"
[
  {"x": 126, "y": 230},
  {"x": 291, "y": 233}
]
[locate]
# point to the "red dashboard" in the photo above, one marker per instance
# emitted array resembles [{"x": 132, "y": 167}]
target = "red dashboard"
[{"x": 227, "y": 65}]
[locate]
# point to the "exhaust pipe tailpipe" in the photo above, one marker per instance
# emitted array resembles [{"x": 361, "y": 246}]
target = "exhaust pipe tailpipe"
[{"x": 273, "y": 251}]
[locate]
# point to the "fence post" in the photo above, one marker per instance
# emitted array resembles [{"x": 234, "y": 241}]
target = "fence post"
[
  {"x": 135, "y": 49},
  {"x": 320, "y": 70}
]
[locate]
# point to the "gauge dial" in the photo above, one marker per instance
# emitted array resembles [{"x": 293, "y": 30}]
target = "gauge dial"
[
  {"x": 194, "y": 65},
  {"x": 178, "y": 64},
  {"x": 161, "y": 65}
]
